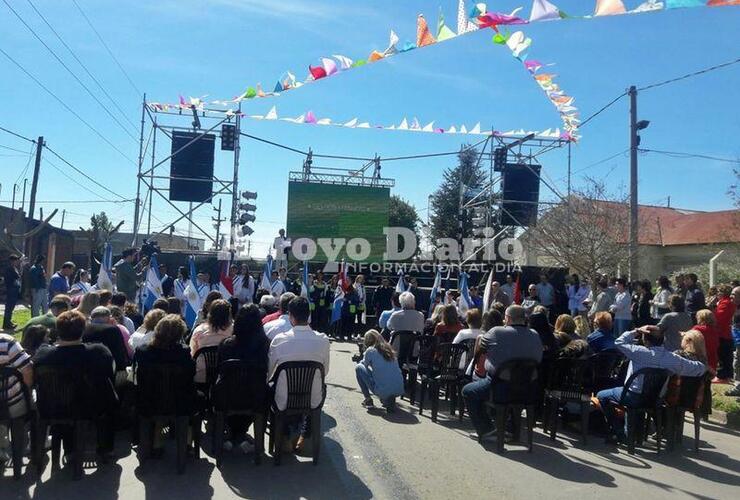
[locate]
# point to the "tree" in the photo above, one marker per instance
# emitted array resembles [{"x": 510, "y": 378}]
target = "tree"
[
  {"x": 586, "y": 233},
  {"x": 403, "y": 214},
  {"x": 100, "y": 230},
  {"x": 445, "y": 202}
]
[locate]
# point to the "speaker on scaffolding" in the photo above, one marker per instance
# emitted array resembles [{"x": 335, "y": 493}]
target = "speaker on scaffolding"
[
  {"x": 521, "y": 195},
  {"x": 191, "y": 170}
]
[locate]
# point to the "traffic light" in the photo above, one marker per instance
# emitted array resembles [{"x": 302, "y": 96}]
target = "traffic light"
[
  {"x": 499, "y": 159},
  {"x": 228, "y": 137},
  {"x": 247, "y": 213}
]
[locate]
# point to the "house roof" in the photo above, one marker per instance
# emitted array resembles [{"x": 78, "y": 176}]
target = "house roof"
[{"x": 674, "y": 226}]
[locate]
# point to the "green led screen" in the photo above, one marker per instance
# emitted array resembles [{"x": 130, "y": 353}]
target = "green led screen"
[{"x": 336, "y": 211}]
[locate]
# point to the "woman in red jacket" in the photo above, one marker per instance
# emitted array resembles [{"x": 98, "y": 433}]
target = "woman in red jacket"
[
  {"x": 723, "y": 313},
  {"x": 706, "y": 324}
]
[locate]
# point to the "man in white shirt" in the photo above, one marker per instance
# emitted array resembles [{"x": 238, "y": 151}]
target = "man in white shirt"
[
  {"x": 281, "y": 246},
  {"x": 300, "y": 343},
  {"x": 622, "y": 308},
  {"x": 282, "y": 324},
  {"x": 545, "y": 292},
  {"x": 508, "y": 288}
]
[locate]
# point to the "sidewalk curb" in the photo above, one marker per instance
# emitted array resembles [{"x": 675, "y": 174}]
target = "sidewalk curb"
[{"x": 722, "y": 418}]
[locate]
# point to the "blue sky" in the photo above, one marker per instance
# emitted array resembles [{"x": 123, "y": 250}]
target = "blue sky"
[{"x": 219, "y": 47}]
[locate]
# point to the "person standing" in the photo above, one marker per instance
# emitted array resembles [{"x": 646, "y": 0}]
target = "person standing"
[
  {"x": 39, "y": 288},
  {"x": 244, "y": 286},
  {"x": 282, "y": 247},
  {"x": 382, "y": 298},
  {"x": 508, "y": 289},
  {"x": 318, "y": 300},
  {"x": 59, "y": 282},
  {"x": 12, "y": 277},
  {"x": 359, "y": 286},
  {"x": 735, "y": 296},
  {"x": 622, "y": 308},
  {"x": 531, "y": 301},
  {"x": 662, "y": 300},
  {"x": 577, "y": 293},
  {"x": 128, "y": 276},
  {"x": 80, "y": 284},
  {"x": 168, "y": 284},
  {"x": 545, "y": 292},
  {"x": 181, "y": 283},
  {"x": 724, "y": 313},
  {"x": 694, "y": 297}
]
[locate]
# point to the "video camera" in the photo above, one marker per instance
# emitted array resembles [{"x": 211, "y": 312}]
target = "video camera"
[{"x": 148, "y": 248}]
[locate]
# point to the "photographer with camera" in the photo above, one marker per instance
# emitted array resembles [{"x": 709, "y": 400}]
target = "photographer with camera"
[{"x": 644, "y": 349}]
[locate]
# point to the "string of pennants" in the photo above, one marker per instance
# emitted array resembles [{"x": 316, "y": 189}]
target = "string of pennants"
[{"x": 467, "y": 21}]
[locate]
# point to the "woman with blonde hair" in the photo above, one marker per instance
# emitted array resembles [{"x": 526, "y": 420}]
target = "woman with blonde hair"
[
  {"x": 582, "y": 326},
  {"x": 89, "y": 302},
  {"x": 706, "y": 326},
  {"x": 143, "y": 335},
  {"x": 378, "y": 372},
  {"x": 565, "y": 324}
]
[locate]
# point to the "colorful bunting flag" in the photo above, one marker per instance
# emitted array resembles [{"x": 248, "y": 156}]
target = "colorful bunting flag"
[
  {"x": 375, "y": 56},
  {"x": 344, "y": 62},
  {"x": 463, "y": 22},
  {"x": 443, "y": 32},
  {"x": 330, "y": 67},
  {"x": 542, "y": 10},
  {"x": 392, "y": 42},
  {"x": 609, "y": 7},
  {"x": 317, "y": 73},
  {"x": 423, "y": 36},
  {"x": 677, "y": 4}
]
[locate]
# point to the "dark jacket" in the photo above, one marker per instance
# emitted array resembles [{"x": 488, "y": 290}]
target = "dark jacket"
[
  {"x": 695, "y": 300},
  {"x": 110, "y": 337},
  {"x": 504, "y": 343},
  {"x": 12, "y": 281}
]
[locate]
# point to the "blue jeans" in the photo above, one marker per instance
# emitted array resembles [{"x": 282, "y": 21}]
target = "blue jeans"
[
  {"x": 364, "y": 379},
  {"x": 609, "y": 399},
  {"x": 39, "y": 301},
  {"x": 621, "y": 326},
  {"x": 475, "y": 395}
]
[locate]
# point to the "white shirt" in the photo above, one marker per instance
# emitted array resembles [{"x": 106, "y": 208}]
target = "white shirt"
[
  {"x": 140, "y": 338},
  {"x": 277, "y": 326},
  {"x": 279, "y": 246},
  {"x": 622, "y": 306},
  {"x": 360, "y": 289},
  {"x": 508, "y": 289},
  {"x": 546, "y": 293},
  {"x": 277, "y": 288},
  {"x": 576, "y": 297},
  {"x": 300, "y": 343},
  {"x": 244, "y": 288},
  {"x": 129, "y": 325},
  {"x": 467, "y": 334}
]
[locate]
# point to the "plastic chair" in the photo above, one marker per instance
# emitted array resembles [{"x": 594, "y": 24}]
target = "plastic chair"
[
  {"x": 427, "y": 366},
  {"x": 299, "y": 377},
  {"x": 515, "y": 387},
  {"x": 208, "y": 357},
  {"x": 450, "y": 375},
  {"x": 569, "y": 381},
  {"x": 240, "y": 390},
  {"x": 650, "y": 403},
  {"x": 609, "y": 368},
  {"x": 689, "y": 397},
  {"x": 10, "y": 378},
  {"x": 165, "y": 393},
  {"x": 405, "y": 344},
  {"x": 65, "y": 396}
]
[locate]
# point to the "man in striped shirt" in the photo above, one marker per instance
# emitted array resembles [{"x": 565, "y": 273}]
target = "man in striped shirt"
[{"x": 12, "y": 355}]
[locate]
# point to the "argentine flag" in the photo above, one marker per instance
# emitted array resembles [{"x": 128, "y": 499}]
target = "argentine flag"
[
  {"x": 401, "y": 284},
  {"x": 152, "y": 284},
  {"x": 266, "y": 282},
  {"x": 487, "y": 293},
  {"x": 436, "y": 287},
  {"x": 464, "y": 302},
  {"x": 336, "y": 310},
  {"x": 304, "y": 282},
  {"x": 193, "y": 300},
  {"x": 105, "y": 276}
]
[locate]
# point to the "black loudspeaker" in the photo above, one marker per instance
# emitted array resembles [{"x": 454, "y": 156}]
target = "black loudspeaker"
[
  {"x": 521, "y": 194},
  {"x": 190, "y": 165}
]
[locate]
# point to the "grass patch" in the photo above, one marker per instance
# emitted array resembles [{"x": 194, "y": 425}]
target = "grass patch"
[
  {"x": 727, "y": 404},
  {"x": 20, "y": 318}
]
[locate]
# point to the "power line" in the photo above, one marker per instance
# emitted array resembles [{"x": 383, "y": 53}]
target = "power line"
[
  {"x": 83, "y": 173},
  {"x": 64, "y": 104},
  {"x": 13, "y": 149},
  {"x": 28, "y": 163},
  {"x": 597, "y": 163},
  {"x": 110, "y": 53},
  {"x": 676, "y": 154},
  {"x": 14, "y": 133},
  {"x": 64, "y": 65},
  {"x": 72, "y": 202},
  {"x": 611, "y": 103},
  {"x": 689, "y": 75},
  {"x": 74, "y": 55},
  {"x": 57, "y": 168}
]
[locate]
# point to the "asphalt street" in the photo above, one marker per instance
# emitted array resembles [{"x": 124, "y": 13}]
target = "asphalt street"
[{"x": 371, "y": 454}]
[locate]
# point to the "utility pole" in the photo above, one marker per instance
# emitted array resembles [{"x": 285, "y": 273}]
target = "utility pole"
[
  {"x": 218, "y": 220},
  {"x": 12, "y": 203},
  {"x": 138, "y": 176},
  {"x": 64, "y": 212},
  {"x": 633, "y": 224},
  {"x": 23, "y": 196},
  {"x": 35, "y": 181},
  {"x": 235, "y": 183}
]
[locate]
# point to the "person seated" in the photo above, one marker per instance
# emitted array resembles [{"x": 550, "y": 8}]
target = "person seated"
[
  {"x": 143, "y": 335},
  {"x": 474, "y": 320},
  {"x": 13, "y": 355},
  {"x": 501, "y": 344},
  {"x": 601, "y": 339},
  {"x": 49, "y": 320},
  {"x": 117, "y": 318},
  {"x": 300, "y": 343},
  {"x": 539, "y": 323},
  {"x": 34, "y": 337},
  {"x": 408, "y": 319},
  {"x": 532, "y": 299},
  {"x": 161, "y": 303},
  {"x": 119, "y": 300},
  {"x": 132, "y": 313},
  {"x": 643, "y": 348},
  {"x": 450, "y": 325},
  {"x": 693, "y": 347},
  {"x": 215, "y": 330},
  {"x": 267, "y": 306},
  {"x": 105, "y": 297},
  {"x": 572, "y": 349},
  {"x": 386, "y": 315},
  {"x": 436, "y": 318},
  {"x": 89, "y": 302},
  {"x": 583, "y": 330},
  {"x": 378, "y": 372},
  {"x": 166, "y": 347},
  {"x": 174, "y": 306},
  {"x": 95, "y": 359},
  {"x": 103, "y": 330},
  {"x": 282, "y": 323},
  {"x": 249, "y": 344},
  {"x": 202, "y": 316},
  {"x": 706, "y": 325},
  {"x": 566, "y": 324}
]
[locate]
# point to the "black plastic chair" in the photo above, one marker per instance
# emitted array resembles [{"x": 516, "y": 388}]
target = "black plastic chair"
[
  {"x": 427, "y": 366},
  {"x": 208, "y": 357},
  {"x": 650, "y": 403},
  {"x": 406, "y": 346},
  {"x": 165, "y": 393},
  {"x": 569, "y": 381},
  {"x": 609, "y": 368},
  {"x": 299, "y": 377},
  {"x": 65, "y": 396},
  {"x": 11, "y": 378},
  {"x": 240, "y": 390},
  {"x": 450, "y": 376},
  {"x": 518, "y": 381},
  {"x": 690, "y": 392}
]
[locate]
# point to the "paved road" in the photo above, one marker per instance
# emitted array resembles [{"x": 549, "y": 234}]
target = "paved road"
[{"x": 404, "y": 456}]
